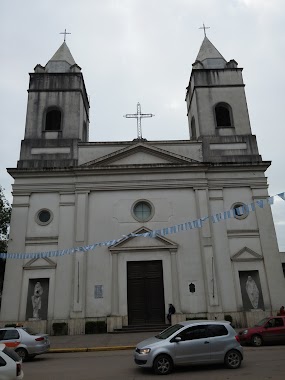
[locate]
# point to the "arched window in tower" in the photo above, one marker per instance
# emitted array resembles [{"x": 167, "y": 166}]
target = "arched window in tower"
[
  {"x": 193, "y": 129},
  {"x": 53, "y": 120},
  {"x": 223, "y": 115}
]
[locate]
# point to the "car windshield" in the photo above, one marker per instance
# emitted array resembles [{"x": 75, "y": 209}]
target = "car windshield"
[
  {"x": 29, "y": 331},
  {"x": 261, "y": 323},
  {"x": 169, "y": 331}
]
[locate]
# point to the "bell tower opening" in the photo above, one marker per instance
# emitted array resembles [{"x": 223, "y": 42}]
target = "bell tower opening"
[
  {"x": 223, "y": 115},
  {"x": 53, "y": 120}
]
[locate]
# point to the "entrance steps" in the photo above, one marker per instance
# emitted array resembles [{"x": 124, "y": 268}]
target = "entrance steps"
[{"x": 141, "y": 328}]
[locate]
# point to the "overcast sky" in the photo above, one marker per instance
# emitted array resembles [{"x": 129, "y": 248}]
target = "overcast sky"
[{"x": 143, "y": 50}]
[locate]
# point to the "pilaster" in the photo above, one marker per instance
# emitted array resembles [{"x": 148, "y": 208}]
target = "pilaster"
[
  {"x": 270, "y": 250},
  {"x": 79, "y": 269},
  {"x": 10, "y": 306},
  {"x": 207, "y": 250}
]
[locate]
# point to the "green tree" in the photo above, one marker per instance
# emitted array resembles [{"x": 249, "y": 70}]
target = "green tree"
[{"x": 5, "y": 214}]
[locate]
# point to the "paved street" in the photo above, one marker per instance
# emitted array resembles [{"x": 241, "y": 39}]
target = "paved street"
[{"x": 260, "y": 363}]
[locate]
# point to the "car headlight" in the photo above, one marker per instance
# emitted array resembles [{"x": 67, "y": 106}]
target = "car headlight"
[
  {"x": 144, "y": 351},
  {"x": 245, "y": 332}
]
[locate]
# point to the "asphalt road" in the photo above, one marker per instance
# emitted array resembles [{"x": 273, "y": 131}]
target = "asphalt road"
[{"x": 259, "y": 363}]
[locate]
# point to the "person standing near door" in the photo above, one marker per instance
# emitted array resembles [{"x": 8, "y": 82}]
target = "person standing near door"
[{"x": 171, "y": 310}]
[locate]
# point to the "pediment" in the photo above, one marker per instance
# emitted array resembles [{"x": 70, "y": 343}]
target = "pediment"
[
  {"x": 139, "y": 243},
  {"x": 43, "y": 263},
  {"x": 246, "y": 254},
  {"x": 140, "y": 154}
]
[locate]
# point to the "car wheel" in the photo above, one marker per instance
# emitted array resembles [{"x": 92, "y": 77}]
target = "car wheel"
[
  {"x": 233, "y": 359},
  {"x": 162, "y": 365},
  {"x": 256, "y": 341},
  {"x": 22, "y": 353}
]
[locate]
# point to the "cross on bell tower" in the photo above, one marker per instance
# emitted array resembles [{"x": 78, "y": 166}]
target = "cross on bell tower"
[
  {"x": 65, "y": 33},
  {"x": 204, "y": 27}
]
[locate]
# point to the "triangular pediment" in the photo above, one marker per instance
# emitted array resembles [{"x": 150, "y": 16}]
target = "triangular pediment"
[
  {"x": 43, "y": 263},
  {"x": 246, "y": 254},
  {"x": 140, "y": 154},
  {"x": 139, "y": 243}
]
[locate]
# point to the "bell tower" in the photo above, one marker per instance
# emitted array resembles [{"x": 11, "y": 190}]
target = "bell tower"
[
  {"x": 217, "y": 108},
  {"x": 57, "y": 113}
]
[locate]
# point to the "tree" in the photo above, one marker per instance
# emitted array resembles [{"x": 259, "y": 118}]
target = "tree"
[{"x": 5, "y": 214}]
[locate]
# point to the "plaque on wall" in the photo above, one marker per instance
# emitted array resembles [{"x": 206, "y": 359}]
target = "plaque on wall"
[
  {"x": 251, "y": 292},
  {"x": 98, "y": 291},
  {"x": 37, "y": 301}
]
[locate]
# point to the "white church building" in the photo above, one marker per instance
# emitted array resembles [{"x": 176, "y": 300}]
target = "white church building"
[{"x": 69, "y": 192}]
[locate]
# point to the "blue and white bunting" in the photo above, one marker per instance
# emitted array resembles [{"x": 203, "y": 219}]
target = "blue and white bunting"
[{"x": 189, "y": 225}]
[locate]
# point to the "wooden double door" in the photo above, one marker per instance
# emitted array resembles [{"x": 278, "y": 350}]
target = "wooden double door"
[{"x": 145, "y": 292}]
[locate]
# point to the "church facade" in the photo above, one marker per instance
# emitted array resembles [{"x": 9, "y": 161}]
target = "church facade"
[{"x": 70, "y": 192}]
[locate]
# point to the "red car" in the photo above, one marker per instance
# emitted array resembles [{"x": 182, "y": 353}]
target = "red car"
[{"x": 268, "y": 330}]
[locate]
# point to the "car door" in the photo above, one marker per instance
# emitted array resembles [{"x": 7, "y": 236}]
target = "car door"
[
  {"x": 11, "y": 338},
  {"x": 194, "y": 346},
  {"x": 274, "y": 330},
  {"x": 219, "y": 340}
]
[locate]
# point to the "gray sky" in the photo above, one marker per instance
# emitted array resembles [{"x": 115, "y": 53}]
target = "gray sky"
[{"x": 142, "y": 50}]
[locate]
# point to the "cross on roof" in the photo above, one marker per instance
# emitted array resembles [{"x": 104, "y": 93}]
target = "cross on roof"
[
  {"x": 204, "y": 27},
  {"x": 138, "y": 116},
  {"x": 65, "y": 33}
]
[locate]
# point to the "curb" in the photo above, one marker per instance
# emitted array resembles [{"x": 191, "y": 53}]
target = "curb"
[{"x": 90, "y": 349}]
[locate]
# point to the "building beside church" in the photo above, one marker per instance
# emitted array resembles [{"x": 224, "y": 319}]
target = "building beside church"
[{"x": 70, "y": 192}]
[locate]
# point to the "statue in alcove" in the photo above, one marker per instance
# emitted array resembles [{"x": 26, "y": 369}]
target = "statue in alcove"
[
  {"x": 37, "y": 300},
  {"x": 252, "y": 291}
]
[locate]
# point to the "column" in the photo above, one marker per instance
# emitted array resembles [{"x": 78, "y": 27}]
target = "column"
[
  {"x": 115, "y": 285},
  {"x": 12, "y": 291},
  {"x": 270, "y": 250},
  {"x": 80, "y": 276},
  {"x": 175, "y": 283},
  {"x": 207, "y": 250}
]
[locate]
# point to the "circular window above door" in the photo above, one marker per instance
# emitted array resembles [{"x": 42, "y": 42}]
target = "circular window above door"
[
  {"x": 44, "y": 217},
  {"x": 240, "y": 210},
  {"x": 142, "y": 210}
]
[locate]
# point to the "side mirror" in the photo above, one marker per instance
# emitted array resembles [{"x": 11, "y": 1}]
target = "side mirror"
[{"x": 177, "y": 339}]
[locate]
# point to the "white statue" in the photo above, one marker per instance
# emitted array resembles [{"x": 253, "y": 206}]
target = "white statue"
[
  {"x": 37, "y": 300},
  {"x": 252, "y": 291}
]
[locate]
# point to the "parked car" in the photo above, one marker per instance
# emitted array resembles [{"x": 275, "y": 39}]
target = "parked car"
[
  {"x": 24, "y": 341},
  {"x": 268, "y": 330},
  {"x": 10, "y": 364},
  {"x": 190, "y": 342}
]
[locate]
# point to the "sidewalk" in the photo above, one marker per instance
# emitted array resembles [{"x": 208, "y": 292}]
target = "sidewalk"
[{"x": 97, "y": 342}]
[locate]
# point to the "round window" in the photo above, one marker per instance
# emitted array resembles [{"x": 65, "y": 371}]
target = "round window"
[
  {"x": 44, "y": 217},
  {"x": 240, "y": 210},
  {"x": 142, "y": 211}
]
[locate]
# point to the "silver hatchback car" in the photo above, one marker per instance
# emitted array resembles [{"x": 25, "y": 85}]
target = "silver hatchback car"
[{"x": 190, "y": 342}]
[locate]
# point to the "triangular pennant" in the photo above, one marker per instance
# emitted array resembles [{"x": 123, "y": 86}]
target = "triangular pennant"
[{"x": 260, "y": 203}]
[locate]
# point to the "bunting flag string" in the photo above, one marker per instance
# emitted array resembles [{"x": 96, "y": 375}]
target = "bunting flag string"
[{"x": 189, "y": 225}]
